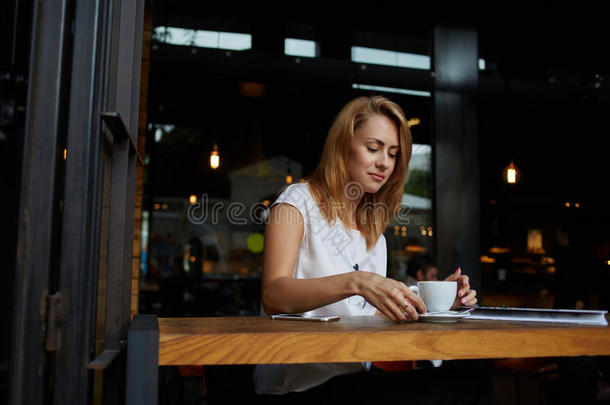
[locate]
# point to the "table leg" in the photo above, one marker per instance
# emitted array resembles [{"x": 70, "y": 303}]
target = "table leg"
[{"x": 143, "y": 361}]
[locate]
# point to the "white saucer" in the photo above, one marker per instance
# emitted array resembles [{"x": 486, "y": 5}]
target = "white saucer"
[{"x": 443, "y": 317}]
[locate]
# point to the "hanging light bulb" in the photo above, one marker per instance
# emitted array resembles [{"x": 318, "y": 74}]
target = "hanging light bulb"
[
  {"x": 214, "y": 158},
  {"x": 411, "y": 122},
  {"x": 511, "y": 173},
  {"x": 288, "y": 177}
]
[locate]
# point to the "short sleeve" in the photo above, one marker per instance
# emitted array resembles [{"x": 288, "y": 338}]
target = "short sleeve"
[{"x": 296, "y": 195}]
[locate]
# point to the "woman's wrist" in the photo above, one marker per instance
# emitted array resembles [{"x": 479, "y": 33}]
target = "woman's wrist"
[
  {"x": 360, "y": 279},
  {"x": 355, "y": 283}
]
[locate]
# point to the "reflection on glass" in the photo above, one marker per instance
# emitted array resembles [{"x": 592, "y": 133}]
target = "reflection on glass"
[
  {"x": 205, "y": 235},
  {"x": 411, "y": 233}
]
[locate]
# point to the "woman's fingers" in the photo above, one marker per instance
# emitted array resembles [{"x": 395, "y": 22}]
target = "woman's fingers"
[
  {"x": 413, "y": 299},
  {"x": 392, "y": 298},
  {"x": 470, "y": 299},
  {"x": 398, "y": 308},
  {"x": 402, "y": 312},
  {"x": 463, "y": 285},
  {"x": 392, "y": 311},
  {"x": 398, "y": 312},
  {"x": 411, "y": 312},
  {"x": 389, "y": 315},
  {"x": 410, "y": 302},
  {"x": 465, "y": 296},
  {"x": 416, "y": 302},
  {"x": 467, "y": 300}
]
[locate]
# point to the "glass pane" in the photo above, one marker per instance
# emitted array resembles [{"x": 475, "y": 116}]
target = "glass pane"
[
  {"x": 234, "y": 41},
  {"x": 203, "y": 38},
  {"x": 390, "y": 58},
  {"x": 412, "y": 60},
  {"x": 300, "y": 47},
  {"x": 207, "y": 39},
  {"x": 206, "y": 225},
  {"x": 376, "y": 56},
  {"x": 411, "y": 234}
]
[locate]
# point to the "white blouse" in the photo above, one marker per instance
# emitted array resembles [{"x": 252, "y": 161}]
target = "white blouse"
[{"x": 325, "y": 250}]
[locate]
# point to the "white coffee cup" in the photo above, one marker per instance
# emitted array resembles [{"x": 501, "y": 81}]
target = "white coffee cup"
[{"x": 437, "y": 295}]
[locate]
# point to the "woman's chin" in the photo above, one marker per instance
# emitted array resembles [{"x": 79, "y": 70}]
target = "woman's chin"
[{"x": 372, "y": 188}]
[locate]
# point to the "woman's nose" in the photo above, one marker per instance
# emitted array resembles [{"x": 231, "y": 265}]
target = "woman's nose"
[{"x": 382, "y": 162}]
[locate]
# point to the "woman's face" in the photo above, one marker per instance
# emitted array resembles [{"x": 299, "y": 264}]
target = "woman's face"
[{"x": 373, "y": 153}]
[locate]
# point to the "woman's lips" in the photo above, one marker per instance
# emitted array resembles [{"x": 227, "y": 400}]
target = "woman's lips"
[{"x": 376, "y": 177}]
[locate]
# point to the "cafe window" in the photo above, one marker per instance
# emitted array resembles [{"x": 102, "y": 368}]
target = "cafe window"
[
  {"x": 300, "y": 47},
  {"x": 411, "y": 233},
  {"x": 204, "y": 223},
  {"x": 202, "y": 38},
  {"x": 204, "y": 248},
  {"x": 390, "y": 58}
]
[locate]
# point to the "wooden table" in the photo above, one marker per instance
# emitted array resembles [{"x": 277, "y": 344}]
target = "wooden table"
[{"x": 258, "y": 340}]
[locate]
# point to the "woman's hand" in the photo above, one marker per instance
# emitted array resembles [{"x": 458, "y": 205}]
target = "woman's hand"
[
  {"x": 392, "y": 298},
  {"x": 465, "y": 296}
]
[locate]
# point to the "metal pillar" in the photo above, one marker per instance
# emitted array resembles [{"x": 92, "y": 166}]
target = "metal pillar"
[
  {"x": 457, "y": 205},
  {"x": 38, "y": 207}
]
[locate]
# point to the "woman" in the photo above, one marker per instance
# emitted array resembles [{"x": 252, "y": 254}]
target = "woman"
[{"x": 325, "y": 253}]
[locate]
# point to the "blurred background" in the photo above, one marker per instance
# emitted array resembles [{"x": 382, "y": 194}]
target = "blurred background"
[
  {"x": 506, "y": 102},
  {"x": 263, "y": 88}
]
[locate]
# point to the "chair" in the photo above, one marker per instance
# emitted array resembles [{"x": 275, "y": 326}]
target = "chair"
[
  {"x": 544, "y": 367},
  {"x": 182, "y": 385}
]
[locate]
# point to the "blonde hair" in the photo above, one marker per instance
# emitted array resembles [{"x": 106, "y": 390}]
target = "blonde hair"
[{"x": 330, "y": 182}]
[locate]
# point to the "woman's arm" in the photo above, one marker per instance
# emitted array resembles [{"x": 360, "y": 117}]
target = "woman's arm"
[{"x": 281, "y": 293}]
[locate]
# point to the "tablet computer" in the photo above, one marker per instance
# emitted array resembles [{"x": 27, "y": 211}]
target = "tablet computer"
[{"x": 300, "y": 317}]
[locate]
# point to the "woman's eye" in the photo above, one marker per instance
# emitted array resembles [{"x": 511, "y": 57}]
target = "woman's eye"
[
  {"x": 372, "y": 149},
  {"x": 392, "y": 156}
]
